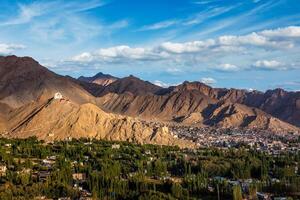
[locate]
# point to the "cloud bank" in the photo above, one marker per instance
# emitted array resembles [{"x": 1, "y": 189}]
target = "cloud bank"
[
  {"x": 209, "y": 53},
  {"x": 6, "y": 49}
]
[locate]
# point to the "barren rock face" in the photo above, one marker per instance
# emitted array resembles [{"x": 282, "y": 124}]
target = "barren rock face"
[
  {"x": 99, "y": 79},
  {"x": 192, "y": 107},
  {"x": 23, "y": 80},
  {"x": 231, "y": 115},
  {"x": 3, "y": 124},
  {"x": 26, "y": 86},
  {"x": 58, "y": 119}
]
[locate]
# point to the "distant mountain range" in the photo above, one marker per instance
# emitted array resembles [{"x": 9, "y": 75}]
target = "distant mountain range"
[
  {"x": 114, "y": 108},
  {"x": 99, "y": 79},
  {"x": 195, "y": 102},
  {"x": 133, "y": 96}
]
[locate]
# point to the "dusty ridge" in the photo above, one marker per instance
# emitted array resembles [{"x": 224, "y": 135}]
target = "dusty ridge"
[
  {"x": 99, "y": 79},
  {"x": 131, "y": 85},
  {"x": 23, "y": 80},
  {"x": 61, "y": 119},
  {"x": 197, "y": 103}
]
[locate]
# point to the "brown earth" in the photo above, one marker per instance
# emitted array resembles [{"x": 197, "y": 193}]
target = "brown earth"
[
  {"x": 23, "y": 80},
  {"x": 99, "y": 79},
  {"x": 25, "y": 85},
  {"x": 61, "y": 119}
]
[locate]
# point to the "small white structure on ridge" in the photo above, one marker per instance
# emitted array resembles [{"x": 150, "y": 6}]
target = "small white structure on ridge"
[
  {"x": 58, "y": 95},
  {"x": 115, "y": 146}
]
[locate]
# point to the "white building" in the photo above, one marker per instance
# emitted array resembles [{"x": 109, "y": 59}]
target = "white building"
[
  {"x": 58, "y": 95},
  {"x": 3, "y": 169},
  {"x": 115, "y": 146}
]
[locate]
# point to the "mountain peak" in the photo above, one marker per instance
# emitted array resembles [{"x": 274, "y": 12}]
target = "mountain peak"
[
  {"x": 132, "y": 85},
  {"x": 132, "y": 77},
  {"x": 99, "y": 79},
  {"x": 11, "y": 58},
  {"x": 26, "y": 80},
  {"x": 102, "y": 75}
]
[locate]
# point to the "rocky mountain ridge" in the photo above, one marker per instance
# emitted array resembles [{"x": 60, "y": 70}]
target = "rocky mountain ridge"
[
  {"x": 58, "y": 119},
  {"x": 121, "y": 110},
  {"x": 99, "y": 79}
]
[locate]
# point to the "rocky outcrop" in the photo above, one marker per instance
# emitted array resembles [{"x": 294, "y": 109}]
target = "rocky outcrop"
[
  {"x": 23, "y": 80},
  {"x": 233, "y": 115},
  {"x": 187, "y": 102},
  {"x": 99, "y": 79},
  {"x": 61, "y": 119}
]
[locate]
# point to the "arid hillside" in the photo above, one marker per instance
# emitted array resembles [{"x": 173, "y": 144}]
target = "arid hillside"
[
  {"x": 99, "y": 79},
  {"x": 57, "y": 119},
  {"x": 122, "y": 109},
  {"x": 23, "y": 80}
]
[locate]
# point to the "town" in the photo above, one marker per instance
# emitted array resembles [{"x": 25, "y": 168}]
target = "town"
[
  {"x": 262, "y": 140},
  {"x": 93, "y": 169}
]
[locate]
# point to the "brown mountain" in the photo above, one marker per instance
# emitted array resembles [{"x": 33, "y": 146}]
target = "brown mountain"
[
  {"x": 150, "y": 106},
  {"x": 57, "y": 119},
  {"x": 231, "y": 115},
  {"x": 23, "y": 80},
  {"x": 191, "y": 103},
  {"x": 99, "y": 79},
  {"x": 163, "y": 104},
  {"x": 4, "y": 110},
  {"x": 3, "y": 123},
  {"x": 26, "y": 111},
  {"x": 279, "y": 103},
  {"x": 131, "y": 85},
  {"x": 91, "y": 88}
]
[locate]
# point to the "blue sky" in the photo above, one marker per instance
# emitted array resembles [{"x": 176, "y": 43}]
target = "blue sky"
[{"x": 251, "y": 44}]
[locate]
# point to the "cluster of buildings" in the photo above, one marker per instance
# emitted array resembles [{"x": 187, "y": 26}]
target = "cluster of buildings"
[
  {"x": 225, "y": 138},
  {"x": 44, "y": 171}
]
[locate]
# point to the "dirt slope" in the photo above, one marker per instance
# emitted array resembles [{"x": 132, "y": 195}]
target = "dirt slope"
[
  {"x": 60, "y": 119},
  {"x": 23, "y": 80},
  {"x": 99, "y": 79}
]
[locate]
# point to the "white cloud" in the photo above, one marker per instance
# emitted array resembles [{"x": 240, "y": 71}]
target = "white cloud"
[
  {"x": 253, "y": 39},
  {"x": 121, "y": 53},
  {"x": 208, "y": 80},
  {"x": 118, "y": 24},
  {"x": 193, "y": 19},
  {"x": 229, "y": 43},
  {"x": 161, "y": 84},
  {"x": 270, "y": 65},
  {"x": 27, "y": 12},
  {"x": 204, "y": 53},
  {"x": 188, "y": 47},
  {"x": 60, "y": 23},
  {"x": 84, "y": 57},
  {"x": 6, "y": 49},
  {"x": 287, "y": 32},
  {"x": 203, "y": 2},
  {"x": 165, "y": 85},
  {"x": 227, "y": 67},
  {"x": 207, "y": 14},
  {"x": 159, "y": 25}
]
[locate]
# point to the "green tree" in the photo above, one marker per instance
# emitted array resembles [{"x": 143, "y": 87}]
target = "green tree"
[
  {"x": 176, "y": 190},
  {"x": 237, "y": 192}
]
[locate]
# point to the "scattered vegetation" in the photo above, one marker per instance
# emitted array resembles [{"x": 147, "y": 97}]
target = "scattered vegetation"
[{"x": 120, "y": 170}]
